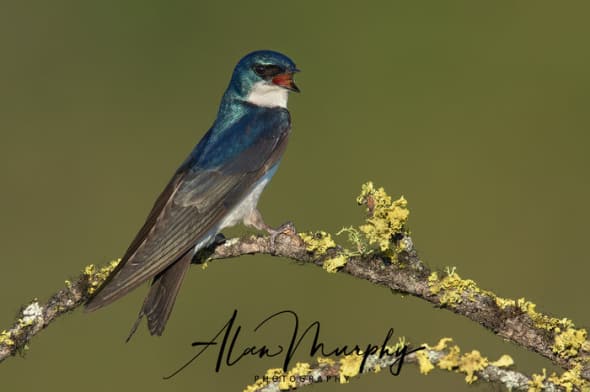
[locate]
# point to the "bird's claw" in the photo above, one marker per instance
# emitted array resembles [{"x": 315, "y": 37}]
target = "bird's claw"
[{"x": 287, "y": 228}]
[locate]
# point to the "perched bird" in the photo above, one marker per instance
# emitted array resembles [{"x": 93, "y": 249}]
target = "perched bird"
[{"x": 217, "y": 186}]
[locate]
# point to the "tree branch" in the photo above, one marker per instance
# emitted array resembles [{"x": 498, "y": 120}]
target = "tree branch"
[
  {"x": 34, "y": 317},
  {"x": 472, "y": 365},
  {"x": 516, "y": 321},
  {"x": 393, "y": 263}
]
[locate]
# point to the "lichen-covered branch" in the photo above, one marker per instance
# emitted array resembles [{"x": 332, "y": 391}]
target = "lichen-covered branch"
[
  {"x": 441, "y": 356},
  {"x": 517, "y": 321},
  {"x": 35, "y": 316},
  {"x": 382, "y": 253}
]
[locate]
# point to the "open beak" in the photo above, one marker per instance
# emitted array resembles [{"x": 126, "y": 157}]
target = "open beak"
[{"x": 285, "y": 80}]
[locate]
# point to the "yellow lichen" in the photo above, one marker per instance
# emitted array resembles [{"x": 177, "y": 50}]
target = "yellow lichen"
[
  {"x": 275, "y": 373},
  {"x": 541, "y": 320},
  {"x": 96, "y": 276},
  {"x": 571, "y": 379},
  {"x": 386, "y": 216},
  {"x": 424, "y": 362},
  {"x": 452, "y": 289},
  {"x": 349, "y": 367},
  {"x": 6, "y": 338},
  {"x": 503, "y": 361},
  {"x": 290, "y": 379},
  {"x": 470, "y": 363},
  {"x": 537, "y": 382},
  {"x": 24, "y": 323},
  {"x": 399, "y": 345},
  {"x": 317, "y": 242},
  {"x": 441, "y": 345},
  {"x": 568, "y": 343},
  {"x": 568, "y": 340},
  {"x": 332, "y": 265},
  {"x": 286, "y": 380},
  {"x": 326, "y": 361},
  {"x": 256, "y": 386},
  {"x": 451, "y": 360}
]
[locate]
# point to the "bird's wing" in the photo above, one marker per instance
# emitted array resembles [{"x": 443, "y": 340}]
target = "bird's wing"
[{"x": 200, "y": 194}]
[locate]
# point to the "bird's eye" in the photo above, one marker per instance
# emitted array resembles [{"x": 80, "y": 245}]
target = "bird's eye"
[
  {"x": 260, "y": 70},
  {"x": 267, "y": 71}
]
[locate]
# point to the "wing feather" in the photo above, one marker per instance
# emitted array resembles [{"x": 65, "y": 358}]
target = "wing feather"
[{"x": 197, "y": 198}]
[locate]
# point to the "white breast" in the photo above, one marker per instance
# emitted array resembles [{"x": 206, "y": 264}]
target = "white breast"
[
  {"x": 248, "y": 204},
  {"x": 240, "y": 211}
]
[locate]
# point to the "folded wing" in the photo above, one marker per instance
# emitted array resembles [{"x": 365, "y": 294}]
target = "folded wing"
[{"x": 203, "y": 190}]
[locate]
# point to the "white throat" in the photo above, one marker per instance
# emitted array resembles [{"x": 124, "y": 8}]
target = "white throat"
[{"x": 268, "y": 95}]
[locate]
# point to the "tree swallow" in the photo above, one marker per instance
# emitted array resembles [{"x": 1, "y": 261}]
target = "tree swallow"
[{"x": 217, "y": 186}]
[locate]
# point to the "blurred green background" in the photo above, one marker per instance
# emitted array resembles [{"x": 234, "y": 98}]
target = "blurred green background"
[{"x": 478, "y": 113}]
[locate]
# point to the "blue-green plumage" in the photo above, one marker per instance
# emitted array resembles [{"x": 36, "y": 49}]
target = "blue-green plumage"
[
  {"x": 226, "y": 141},
  {"x": 217, "y": 186}
]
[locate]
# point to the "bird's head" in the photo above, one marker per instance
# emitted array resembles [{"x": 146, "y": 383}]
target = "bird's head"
[{"x": 264, "y": 78}]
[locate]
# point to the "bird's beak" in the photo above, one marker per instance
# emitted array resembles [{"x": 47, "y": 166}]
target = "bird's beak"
[{"x": 285, "y": 80}]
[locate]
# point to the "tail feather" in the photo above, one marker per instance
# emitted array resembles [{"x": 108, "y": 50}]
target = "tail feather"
[{"x": 160, "y": 300}]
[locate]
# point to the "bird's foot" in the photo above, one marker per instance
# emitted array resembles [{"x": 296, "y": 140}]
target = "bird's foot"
[
  {"x": 287, "y": 228},
  {"x": 254, "y": 219},
  {"x": 204, "y": 253},
  {"x": 218, "y": 240}
]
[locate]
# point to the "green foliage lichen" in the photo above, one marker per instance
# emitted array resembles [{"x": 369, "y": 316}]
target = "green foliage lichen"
[{"x": 357, "y": 239}]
